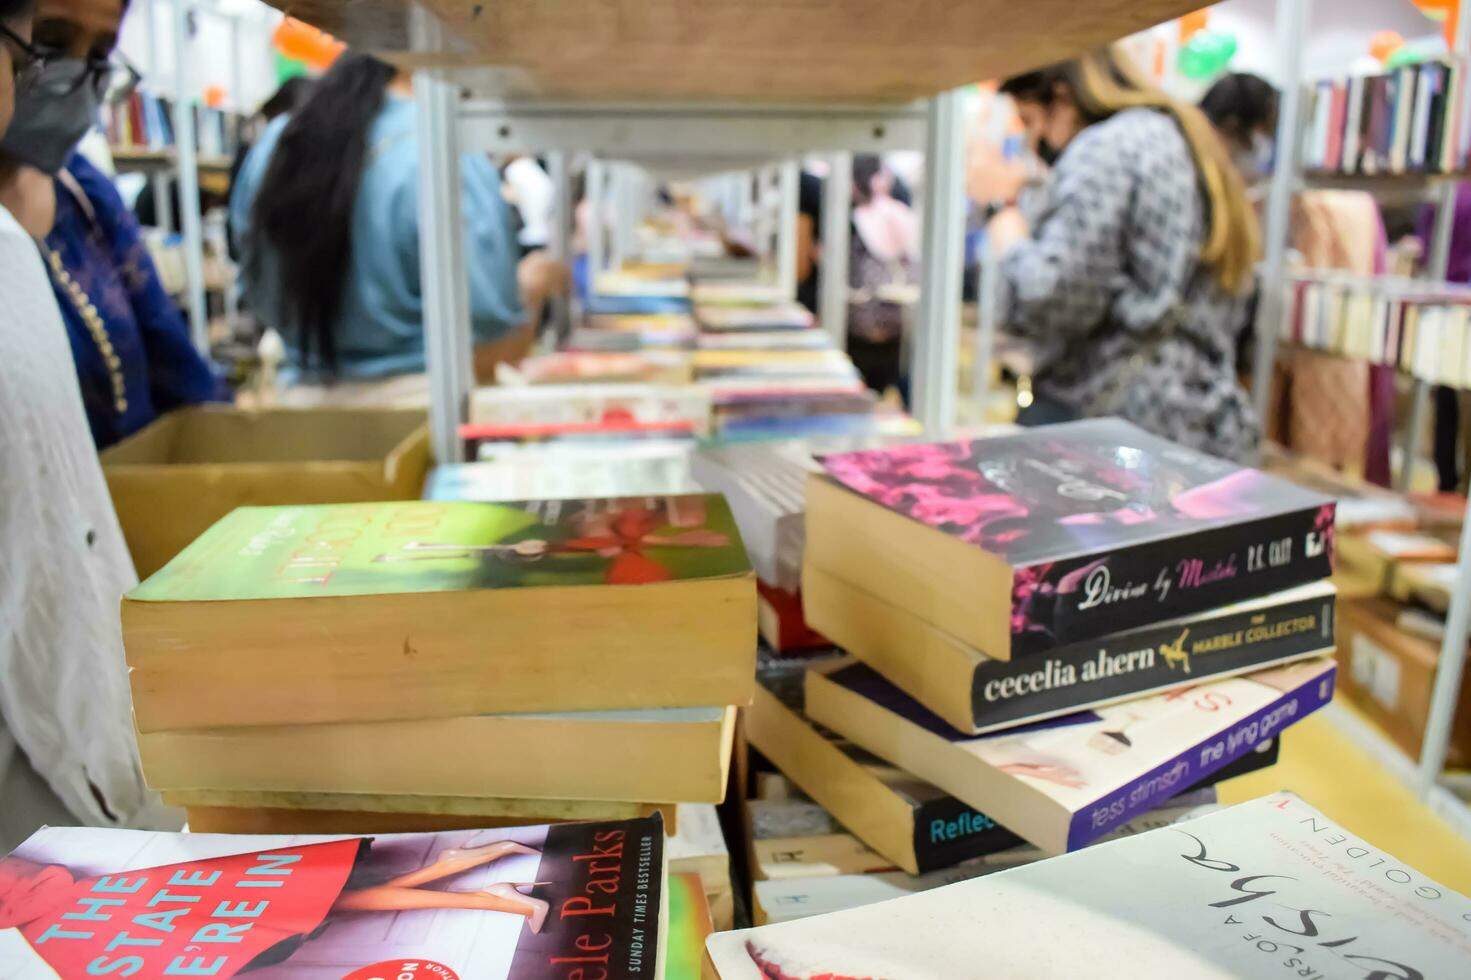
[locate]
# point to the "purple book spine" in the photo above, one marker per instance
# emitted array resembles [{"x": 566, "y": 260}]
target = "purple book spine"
[{"x": 1198, "y": 762}]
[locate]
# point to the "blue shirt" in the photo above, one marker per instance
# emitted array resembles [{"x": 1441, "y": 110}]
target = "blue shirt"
[
  {"x": 104, "y": 254},
  {"x": 379, "y": 329}
]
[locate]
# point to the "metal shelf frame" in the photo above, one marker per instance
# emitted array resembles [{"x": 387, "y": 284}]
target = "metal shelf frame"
[
  {"x": 1426, "y": 773},
  {"x": 710, "y": 136}
]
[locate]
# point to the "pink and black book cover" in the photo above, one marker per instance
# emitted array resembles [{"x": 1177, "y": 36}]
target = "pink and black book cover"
[{"x": 1105, "y": 526}]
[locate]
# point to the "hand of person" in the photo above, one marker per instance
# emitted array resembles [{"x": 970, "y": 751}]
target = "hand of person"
[
  {"x": 1006, "y": 229},
  {"x": 990, "y": 178}
]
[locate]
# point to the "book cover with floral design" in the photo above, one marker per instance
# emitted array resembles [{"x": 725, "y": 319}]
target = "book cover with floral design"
[
  {"x": 1104, "y": 525},
  {"x": 433, "y": 546}
]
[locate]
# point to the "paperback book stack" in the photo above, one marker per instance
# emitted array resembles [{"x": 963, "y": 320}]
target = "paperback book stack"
[
  {"x": 417, "y": 665},
  {"x": 832, "y": 826},
  {"x": 1065, "y": 627},
  {"x": 770, "y": 372},
  {"x": 764, "y": 485},
  {"x": 1208, "y": 898}
]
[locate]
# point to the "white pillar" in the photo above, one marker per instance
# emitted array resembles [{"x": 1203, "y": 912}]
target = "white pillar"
[
  {"x": 446, "y": 293},
  {"x": 187, "y": 152},
  {"x": 1292, "y": 29},
  {"x": 559, "y": 242},
  {"x": 596, "y": 215},
  {"x": 1446, "y": 695},
  {"x": 837, "y": 206},
  {"x": 786, "y": 229},
  {"x": 937, "y": 332}
]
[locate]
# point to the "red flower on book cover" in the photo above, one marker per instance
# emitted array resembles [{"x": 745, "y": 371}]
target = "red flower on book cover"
[
  {"x": 770, "y": 970},
  {"x": 623, "y": 534}
]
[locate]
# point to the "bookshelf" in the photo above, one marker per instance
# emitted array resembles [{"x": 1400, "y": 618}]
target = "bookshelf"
[
  {"x": 692, "y": 81},
  {"x": 1426, "y": 773}
]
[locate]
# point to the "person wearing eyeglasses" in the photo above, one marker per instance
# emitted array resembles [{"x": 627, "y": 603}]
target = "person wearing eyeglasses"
[
  {"x": 132, "y": 349},
  {"x": 67, "y": 753}
]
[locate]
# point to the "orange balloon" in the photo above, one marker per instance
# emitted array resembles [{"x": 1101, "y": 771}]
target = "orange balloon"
[
  {"x": 214, "y": 96},
  {"x": 1193, "y": 24},
  {"x": 1384, "y": 44},
  {"x": 304, "y": 43}
]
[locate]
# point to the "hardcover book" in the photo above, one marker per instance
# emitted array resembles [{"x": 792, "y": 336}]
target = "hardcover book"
[
  {"x": 1270, "y": 888},
  {"x": 977, "y": 694},
  {"x": 416, "y": 609},
  {"x": 1064, "y": 783},
  {"x": 666, "y": 755},
  {"x": 525, "y": 903},
  {"x": 1020, "y": 543}
]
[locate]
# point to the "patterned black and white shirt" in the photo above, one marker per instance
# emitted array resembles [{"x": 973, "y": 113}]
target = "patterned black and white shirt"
[{"x": 1114, "y": 254}]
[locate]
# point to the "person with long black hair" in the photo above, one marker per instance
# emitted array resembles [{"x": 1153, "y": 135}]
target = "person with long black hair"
[
  {"x": 67, "y": 753},
  {"x": 327, "y": 211}
]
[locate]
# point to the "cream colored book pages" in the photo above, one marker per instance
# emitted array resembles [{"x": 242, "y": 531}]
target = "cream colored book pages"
[
  {"x": 1465, "y": 328},
  {"x": 1204, "y": 899}
]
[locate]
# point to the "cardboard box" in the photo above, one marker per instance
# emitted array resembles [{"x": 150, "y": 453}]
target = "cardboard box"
[
  {"x": 192, "y": 467},
  {"x": 1389, "y": 674}
]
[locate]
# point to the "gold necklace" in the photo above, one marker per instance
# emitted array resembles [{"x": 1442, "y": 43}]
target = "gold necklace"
[{"x": 93, "y": 320}]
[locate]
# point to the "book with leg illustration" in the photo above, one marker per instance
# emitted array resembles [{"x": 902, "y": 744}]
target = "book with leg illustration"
[{"x": 503, "y": 904}]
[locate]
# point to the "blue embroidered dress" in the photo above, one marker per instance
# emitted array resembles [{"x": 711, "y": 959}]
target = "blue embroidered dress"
[{"x": 104, "y": 255}]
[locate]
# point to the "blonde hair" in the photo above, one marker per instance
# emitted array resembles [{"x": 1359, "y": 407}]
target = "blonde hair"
[{"x": 1106, "y": 81}]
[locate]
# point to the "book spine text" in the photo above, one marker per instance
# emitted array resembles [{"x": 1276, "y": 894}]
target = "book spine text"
[
  {"x": 1170, "y": 654},
  {"x": 1095, "y": 595},
  {"x": 1197, "y": 762}
]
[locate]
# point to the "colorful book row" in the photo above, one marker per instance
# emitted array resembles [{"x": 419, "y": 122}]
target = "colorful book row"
[{"x": 1422, "y": 330}]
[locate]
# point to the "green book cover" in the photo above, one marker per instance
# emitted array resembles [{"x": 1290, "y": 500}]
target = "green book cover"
[{"x": 430, "y": 546}]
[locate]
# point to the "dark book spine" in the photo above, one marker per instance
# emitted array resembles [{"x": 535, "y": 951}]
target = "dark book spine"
[
  {"x": 1089, "y": 596},
  {"x": 1128, "y": 664},
  {"x": 947, "y": 832},
  {"x": 1194, "y": 763},
  {"x": 604, "y": 884}
]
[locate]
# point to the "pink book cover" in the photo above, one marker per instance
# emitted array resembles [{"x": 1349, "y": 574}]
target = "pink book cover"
[{"x": 1104, "y": 525}]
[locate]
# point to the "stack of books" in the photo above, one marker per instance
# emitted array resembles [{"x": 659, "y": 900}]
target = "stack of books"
[
  {"x": 633, "y": 331},
  {"x": 421, "y": 665},
  {"x": 770, "y": 371},
  {"x": 841, "y": 827},
  {"x": 1066, "y": 627},
  {"x": 765, "y": 485},
  {"x": 1419, "y": 328},
  {"x": 1206, "y": 898},
  {"x": 1409, "y": 120},
  {"x": 484, "y": 904}
]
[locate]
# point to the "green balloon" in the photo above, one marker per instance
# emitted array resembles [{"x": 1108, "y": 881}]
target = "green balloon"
[
  {"x": 1206, "y": 54},
  {"x": 1404, "y": 56},
  {"x": 289, "y": 67}
]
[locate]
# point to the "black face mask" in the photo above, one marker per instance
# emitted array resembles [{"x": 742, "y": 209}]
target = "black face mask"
[{"x": 1047, "y": 153}]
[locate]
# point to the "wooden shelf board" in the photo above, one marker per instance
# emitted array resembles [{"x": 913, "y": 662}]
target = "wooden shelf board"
[{"x": 752, "y": 51}]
